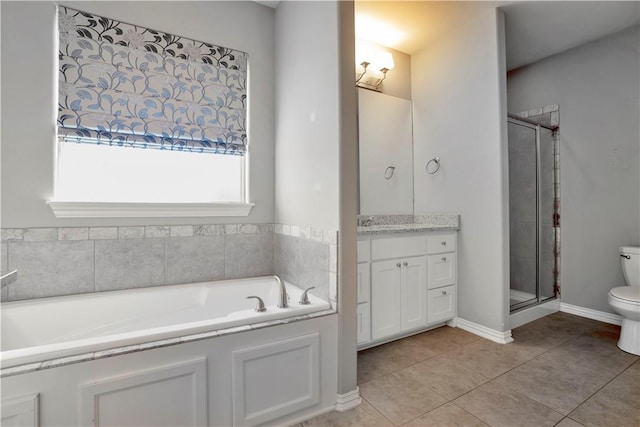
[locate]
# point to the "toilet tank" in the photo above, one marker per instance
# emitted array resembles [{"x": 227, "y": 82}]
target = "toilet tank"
[{"x": 630, "y": 259}]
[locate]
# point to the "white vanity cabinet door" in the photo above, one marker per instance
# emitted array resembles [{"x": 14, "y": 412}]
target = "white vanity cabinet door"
[
  {"x": 364, "y": 283},
  {"x": 414, "y": 293},
  {"x": 442, "y": 303},
  {"x": 364, "y": 308},
  {"x": 385, "y": 298},
  {"x": 441, "y": 270},
  {"x": 363, "y": 314}
]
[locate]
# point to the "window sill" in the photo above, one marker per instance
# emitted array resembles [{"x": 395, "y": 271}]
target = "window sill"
[{"x": 146, "y": 210}]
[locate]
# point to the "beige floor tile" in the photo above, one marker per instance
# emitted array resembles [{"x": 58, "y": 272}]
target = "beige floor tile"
[
  {"x": 448, "y": 415},
  {"x": 568, "y": 422},
  {"x": 456, "y": 336},
  {"x": 604, "y": 409},
  {"x": 605, "y": 333},
  {"x": 384, "y": 359},
  {"x": 625, "y": 388},
  {"x": 542, "y": 337},
  {"x": 363, "y": 415},
  {"x": 445, "y": 377},
  {"x": 556, "y": 381},
  {"x": 589, "y": 352},
  {"x": 490, "y": 359},
  {"x": 499, "y": 406},
  {"x": 399, "y": 397},
  {"x": 425, "y": 346},
  {"x": 566, "y": 323}
]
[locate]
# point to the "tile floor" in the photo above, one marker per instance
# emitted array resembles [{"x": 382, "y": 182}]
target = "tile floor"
[{"x": 562, "y": 370}]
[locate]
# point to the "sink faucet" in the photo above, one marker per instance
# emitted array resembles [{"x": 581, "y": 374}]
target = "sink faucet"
[
  {"x": 284, "y": 303},
  {"x": 367, "y": 221}
]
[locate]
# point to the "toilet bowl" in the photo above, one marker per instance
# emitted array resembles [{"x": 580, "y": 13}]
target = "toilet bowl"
[{"x": 625, "y": 300}]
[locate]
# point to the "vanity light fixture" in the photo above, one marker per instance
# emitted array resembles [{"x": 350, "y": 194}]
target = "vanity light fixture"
[{"x": 375, "y": 66}]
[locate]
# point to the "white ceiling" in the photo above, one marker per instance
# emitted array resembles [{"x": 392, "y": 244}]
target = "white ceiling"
[{"x": 534, "y": 29}]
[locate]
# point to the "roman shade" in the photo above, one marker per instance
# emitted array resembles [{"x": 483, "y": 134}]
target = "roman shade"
[{"x": 125, "y": 85}]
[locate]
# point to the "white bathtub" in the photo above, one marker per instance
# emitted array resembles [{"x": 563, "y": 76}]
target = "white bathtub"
[{"x": 52, "y": 328}]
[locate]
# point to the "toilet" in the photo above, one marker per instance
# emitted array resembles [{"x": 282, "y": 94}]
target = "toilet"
[{"x": 625, "y": 300}]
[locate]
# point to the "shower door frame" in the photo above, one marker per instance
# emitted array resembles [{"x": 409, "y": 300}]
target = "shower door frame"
[{"x": 536, "y": 127}]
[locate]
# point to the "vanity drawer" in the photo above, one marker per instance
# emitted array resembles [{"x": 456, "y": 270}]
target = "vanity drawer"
[
  {"x": 441, "y": 270},
  {"x": 441, "y": 242},
  {"x": 441, "y": 304},
  {"x": 398, "y": 247}
]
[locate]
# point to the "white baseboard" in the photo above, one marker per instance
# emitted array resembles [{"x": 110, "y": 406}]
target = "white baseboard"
[
  {"x": 589, "y": 313},
  {"x": 484, "y": 332},
  {"x": 536, "y": 312},
  {"x": 348, "y": 400}
]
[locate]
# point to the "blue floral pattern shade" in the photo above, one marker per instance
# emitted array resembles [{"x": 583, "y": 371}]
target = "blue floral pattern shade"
[{"x": 121, "y": 84}]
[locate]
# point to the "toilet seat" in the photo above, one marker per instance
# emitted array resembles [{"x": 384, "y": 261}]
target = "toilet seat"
[{"x": 628, "y": 294}]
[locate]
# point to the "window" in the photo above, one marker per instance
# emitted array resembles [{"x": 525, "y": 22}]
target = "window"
[{"x": 148, "y": 117}]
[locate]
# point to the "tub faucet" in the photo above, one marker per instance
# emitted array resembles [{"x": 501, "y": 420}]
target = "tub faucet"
[
  {"x": 260, "y": 307},
  {"x": 284, "y": 303}
]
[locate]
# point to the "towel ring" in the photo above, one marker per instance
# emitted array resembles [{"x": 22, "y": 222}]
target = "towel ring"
[
  {"x": 431, "y": 169},
  {"x": 388, "y": 172}
]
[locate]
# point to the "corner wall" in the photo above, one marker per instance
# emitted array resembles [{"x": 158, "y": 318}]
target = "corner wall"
[
  {"x": 316, "y": 144},
  {"x": 459, "y": 114},
  {"x": 597, "y": 87}
]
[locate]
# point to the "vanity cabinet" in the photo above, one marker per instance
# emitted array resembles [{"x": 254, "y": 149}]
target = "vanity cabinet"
[
  {"x": 405, "y": 283},
  {"x": 398, "y": 295},
  {"x": 442, "y": 268},
  {"x": 363, "y": 311}
]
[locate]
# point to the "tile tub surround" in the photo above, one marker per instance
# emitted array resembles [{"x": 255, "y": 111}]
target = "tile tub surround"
[
  {"x": 378, "y": 224},
  {"x": 561, "y": 370},
  {"x": 73, "y": 260},
  {"x": 307, "y": 257}
]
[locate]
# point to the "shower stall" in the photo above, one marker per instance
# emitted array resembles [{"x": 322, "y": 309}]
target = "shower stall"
[{"x": 533, "y": 212}]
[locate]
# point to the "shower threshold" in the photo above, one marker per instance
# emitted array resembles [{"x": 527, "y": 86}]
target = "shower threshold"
[{"x": 519, "y": 300}]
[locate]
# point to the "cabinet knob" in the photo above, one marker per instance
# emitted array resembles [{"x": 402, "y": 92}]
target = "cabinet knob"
[
  {"x": 444, "y": 292},
  {"x": 444, "y": 258},
  {"x": 405, "y": 263},
  {"x": 444, "y": 243},
  {"x": 398, "y": 265}
]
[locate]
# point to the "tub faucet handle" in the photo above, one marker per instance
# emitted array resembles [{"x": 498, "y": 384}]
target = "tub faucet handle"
[
  {"x": 260, "y": 307},
  {"x": 304, "y": 298}
]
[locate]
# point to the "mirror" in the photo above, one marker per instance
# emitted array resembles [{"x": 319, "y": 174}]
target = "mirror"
[{"x": 386, "y": 154}]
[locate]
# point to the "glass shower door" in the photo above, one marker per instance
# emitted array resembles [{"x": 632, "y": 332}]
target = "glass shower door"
[
  {"x": 547, "y": 257},
  {"x": 532, "y": 214},
  {"x": 523, "y": 215}
]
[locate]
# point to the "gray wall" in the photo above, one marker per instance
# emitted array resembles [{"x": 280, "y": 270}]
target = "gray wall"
[
  {"x": 459, "y": 114},
  {"x": 307, "y": 117},
  {"x": 29, "y": 71},
  {"x": 597, "y": 87}
]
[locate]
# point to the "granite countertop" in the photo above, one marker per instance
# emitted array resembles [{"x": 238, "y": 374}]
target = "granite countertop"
[{"x": 380, "y": 224}]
